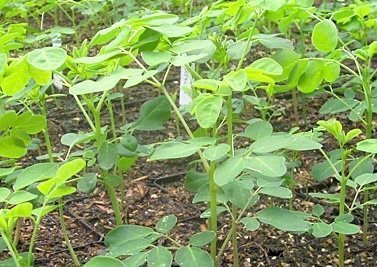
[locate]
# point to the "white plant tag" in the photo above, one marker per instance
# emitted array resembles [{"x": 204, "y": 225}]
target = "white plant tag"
[
  {"x": 57, "y": 80},
  {"x": 186, "y": 81}
]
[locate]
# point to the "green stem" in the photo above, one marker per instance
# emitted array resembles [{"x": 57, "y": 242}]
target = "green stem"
[
  {"x": 184, "y": 123},
  {"x": 65, "y": 234},
  {"x": 342, "y": 197},
  {"x": 229, "y": 119},
  {"x": 365, "y": 217},
  {"x": 213, "y": 209},
  {"x": 369, "y": 126},
  {"x": 122, "y": 189},
  {"x": 245, "y": 50},
  {"x": 114, "y": 203},
  {"x": 88, "y": 119},
  {"x": 123, "y": 108},
  {"x": 112, "y": 120},
  {"x": 34, "y": 236},
  {"x": 13, "y": 252},
  {"x": 295, "y": 106},
  {"x": 45, "y": 132}
]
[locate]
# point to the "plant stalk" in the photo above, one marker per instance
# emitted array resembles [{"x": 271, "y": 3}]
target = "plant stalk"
[
  {"x": 342, "y": 196},
  {"x": 213, "y": 209},
  {"x": 114, "y": 202},
  {"x": 229, "y": 118},
  {"x": 369, "y": 126},
  {"x": 66, "y": 237},
  {"x": 13, "y": 252}
]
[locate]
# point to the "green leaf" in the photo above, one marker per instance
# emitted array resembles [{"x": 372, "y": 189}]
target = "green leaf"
[
  {"x": 287, "y": 59},
  {"x": 172, "y": 31},
  {"x": 68, "y": 170},
  {"x": 360, "y": 166},
  {"x": 258, "y": 129},
  {"x": 193, "y": 257},
  {"x": 129, "y": 247},
  {"x": 174, "y": 150},
  {"x": 17, "y": 78},
  {"x": 88, "y": 183},
  {"x": 194, "y": 180},
  {"x": 166, "y": 224},
  {"x": 297, "y": 71},
  {"x": 11, "y": 147},
  {"x": 42, "y": 211},
  {"x": 6, "y": 171},
  {"x": 345, "y": 228},
  {"x": 125, "y": 163},
  {"x": 272, "y": 41},
  {"x": 368, "y": 145},
  {"x": 331, "y": 72},
  {"x": 239, "y": 192},
  {"x": 352, "y": 134},
  {"x": 105, "y": 83},
  {"x": 237, "y": 80},
  {"x": 202, "y": 238},
  {"x": 335, "y": 105},
  {"x": 332, "y": 198},
  {"x": 137, "y": 79},
  {"x": 277, "y": 191},
  {"x": 312, "y": 78},
  {"x": 61, "y": 191},
  {"x": 325, "y": 36},
  {"x": 270, "y": 166},
  {"x": 35, "y": 173},
  {"x": 213, "y": 153},
  {"x": 20, "y": 211},
  {"x": 206, "y": 84},
  {"x": 159, "y": 257},
  {"x": 321, "y": 229},
  {"x": 7, "y": 119},
  {"x": 4, "y": 193},
  {"x": 20, "y": 197},
  {"x": 271, "y": 143},
  {"x": 267, "y": 66},
  {"x": 283, "y": 219},
  {"x": 107, "y": 155},
  {"x": 156, "y": 58},
  {"x": 31, "y": 124},
  {"x": 42, "y": 77},
  {"x": 136, "y": 260},
  {"x": 318, "y": 210},
  {"x": 96, "y": 59},
  {"x": 207, "y": 109},
  {"x": 348, "y": 218},
  {"x": 153, "y": 114},
  {"x": 272, "y": 5},
  {"x": 302, "y": 143},
  {"x": 193, "y": 51},
  {"x": 47, "y": 58},
  {"x": 251, "y": 224},
  {"x": 229, "y": 170},
  {"x": 125, "y": 233},
  {"x": 100, "y": 261},
  {"x": 366, "y": 178},
  {"x": 183, "y": 60}
]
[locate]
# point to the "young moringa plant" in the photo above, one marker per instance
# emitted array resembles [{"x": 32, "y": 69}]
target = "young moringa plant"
[
  {"x": 35, "y": 192},
  {"x": 354, "y": 173},
  {"x": 227, "y": 170},
  {"x": 132, "y": 245}
]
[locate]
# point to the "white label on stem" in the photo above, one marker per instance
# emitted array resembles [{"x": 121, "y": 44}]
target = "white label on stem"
[
  {"x": 57, "y": 80},
  {"x": 186, "y": 81}
]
